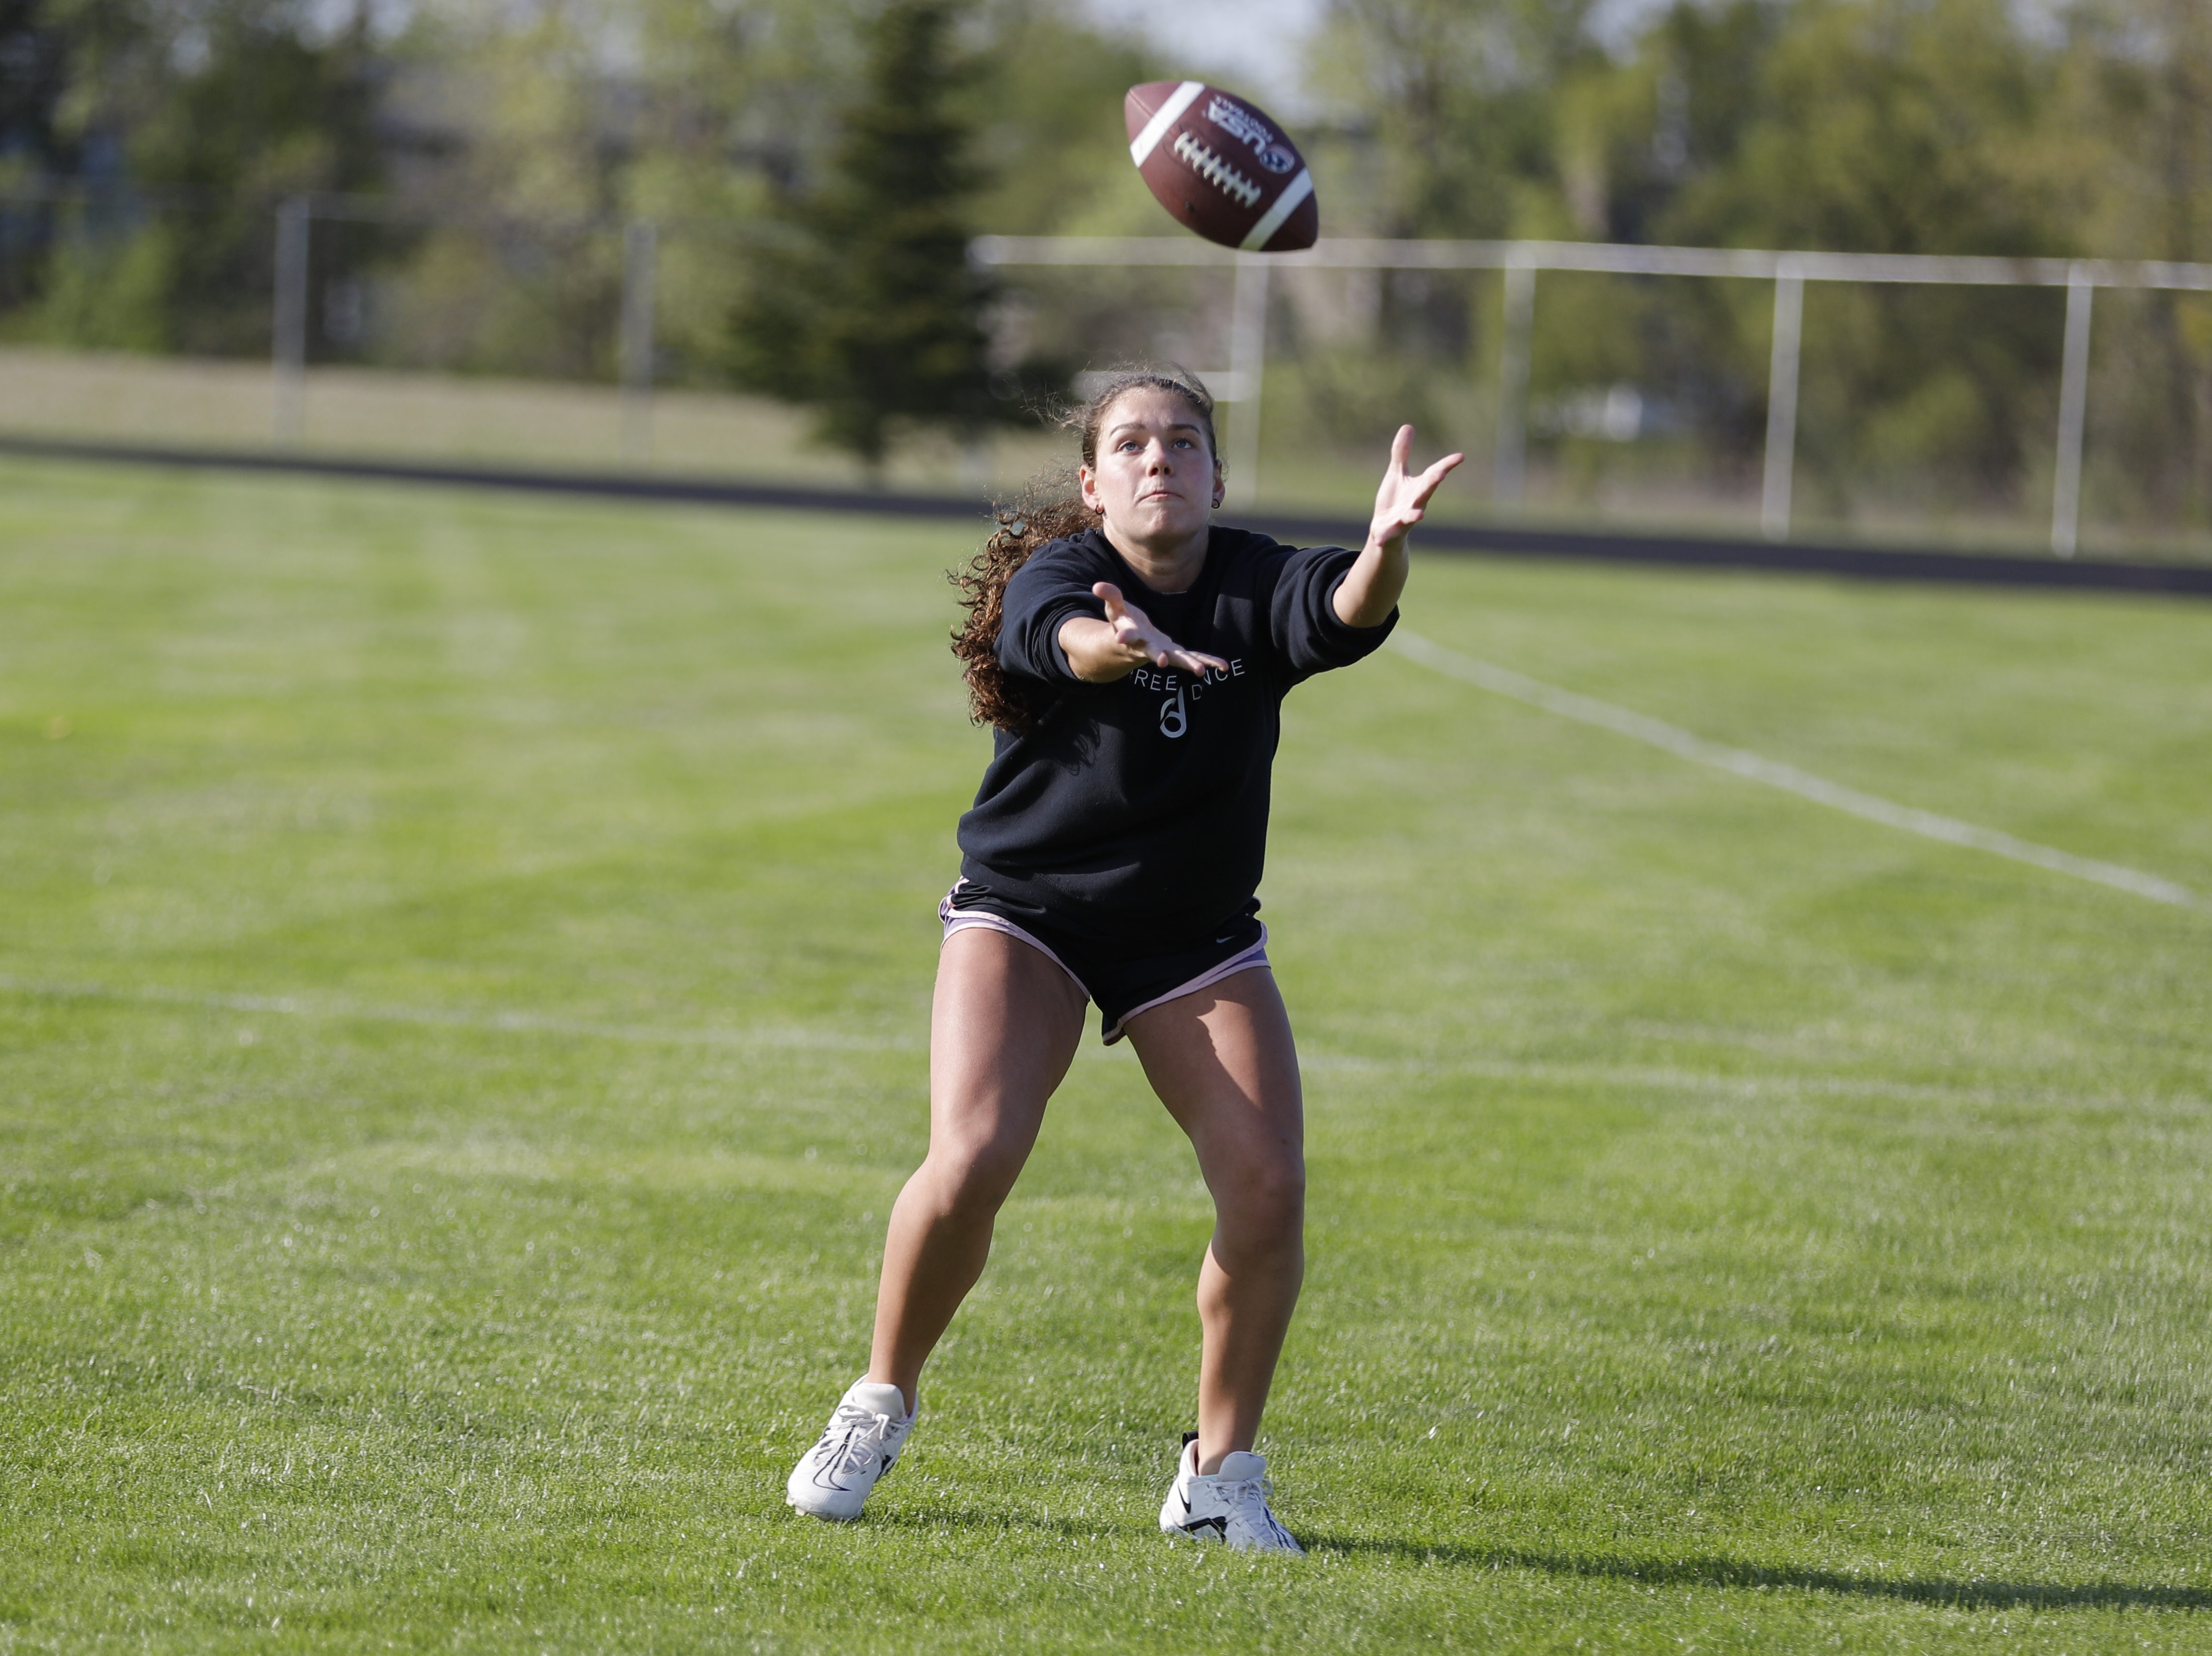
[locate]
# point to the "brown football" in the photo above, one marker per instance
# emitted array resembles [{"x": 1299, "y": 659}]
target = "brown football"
[{"x": 1221, "y": 166}]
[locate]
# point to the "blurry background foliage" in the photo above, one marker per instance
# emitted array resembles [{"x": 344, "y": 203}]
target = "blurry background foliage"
[{"x": 489, "y": 155}]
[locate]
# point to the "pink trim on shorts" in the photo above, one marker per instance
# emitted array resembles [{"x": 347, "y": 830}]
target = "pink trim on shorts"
[
  {"x": 971, "y": 919},
  {"x": 1255, "y": 956}
]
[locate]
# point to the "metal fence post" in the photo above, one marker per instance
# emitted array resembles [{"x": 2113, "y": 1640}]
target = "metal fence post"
[
  {"x": 1513, "y": 376},
  {"x": 1248, "y": 362},
  {"x": 290, "y": 344},
  {"x": 641, "y": 260},
  {"x": 1782, "y": 398},
  {"x": 2073, "y": 413}
]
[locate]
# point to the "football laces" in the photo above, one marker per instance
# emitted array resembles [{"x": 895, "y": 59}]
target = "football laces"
[{"x": 1201, "y": 160}]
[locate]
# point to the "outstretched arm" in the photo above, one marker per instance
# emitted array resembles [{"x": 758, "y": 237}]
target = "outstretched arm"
[
  {"x": 1102, "y": 651},
  {"x": 1368, "y": 594}
]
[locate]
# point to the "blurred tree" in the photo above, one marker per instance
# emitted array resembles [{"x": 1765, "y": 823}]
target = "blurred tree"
[
  {"x": 2137, "y": 113},
  {"x": 727, "y": 105},
  {"x": 1871, "y": 125},
  {"x": 873, "y": 316},
  {"x": 2140, "y": 81},
  {"x": 518, "y": 271},
  {"x": 1439, "y": 124},
  {"x": 1045, "y": 105},
  {"x": 33, "y": 74},
  {"x": 717, "y": 120},
  {"x": 195, "y": 120},
  {"x": 1920, "y": 126},
  {"x": 1455, "y": 94},
  {"x": 34, "y": 52},
  {"x": 815, "y": 167},
  {"x": 268, "y": 104},
  {"x": 1632, "y": 135}
]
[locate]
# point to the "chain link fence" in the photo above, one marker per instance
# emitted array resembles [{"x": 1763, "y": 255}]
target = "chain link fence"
[
  {"x": 1930, "y": 400},
  {"x": 1718, "y": 385}
]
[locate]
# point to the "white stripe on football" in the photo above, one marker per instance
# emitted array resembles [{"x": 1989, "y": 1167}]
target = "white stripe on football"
[{"x": 1221, "y": 165}]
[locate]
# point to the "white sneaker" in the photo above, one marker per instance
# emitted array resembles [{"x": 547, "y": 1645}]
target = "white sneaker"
[
  {"x": 1230, "y": 1507},
  {"x": 859, "y": 1445}
]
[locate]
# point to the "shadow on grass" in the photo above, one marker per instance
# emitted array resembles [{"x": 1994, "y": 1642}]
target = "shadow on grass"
[{"x": 1735, "y": 1573}]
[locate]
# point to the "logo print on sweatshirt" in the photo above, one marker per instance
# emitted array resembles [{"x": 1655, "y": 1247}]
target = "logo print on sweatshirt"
[
  {"x": 1175, "y": 710},
  {"x": 1175, "y": 716}
]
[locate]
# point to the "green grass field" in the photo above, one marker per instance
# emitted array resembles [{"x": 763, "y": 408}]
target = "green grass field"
[{"x": 462, "y": 969}]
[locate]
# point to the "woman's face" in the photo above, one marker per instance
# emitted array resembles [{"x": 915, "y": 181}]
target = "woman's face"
[{"x": 1155, "y": 479}]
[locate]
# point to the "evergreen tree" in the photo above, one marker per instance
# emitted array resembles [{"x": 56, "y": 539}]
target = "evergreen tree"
[{"x": 873, "y": 316}]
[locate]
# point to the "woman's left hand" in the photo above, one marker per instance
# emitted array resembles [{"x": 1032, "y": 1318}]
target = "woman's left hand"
[
  {"x": 1401, "y": 502},
  {"x": 1369, "y": 591}
]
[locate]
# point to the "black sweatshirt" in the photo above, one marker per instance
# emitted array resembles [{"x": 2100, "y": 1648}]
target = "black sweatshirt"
[{"x": 1138, "y": 809}]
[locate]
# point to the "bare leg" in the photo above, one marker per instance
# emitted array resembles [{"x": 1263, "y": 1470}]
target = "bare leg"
[
  {"x": 1002, "y": 1032},
  {"x": 1223, "y": 1063}
]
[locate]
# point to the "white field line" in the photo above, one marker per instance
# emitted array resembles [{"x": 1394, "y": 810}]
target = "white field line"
[
  {"x": 1504, "y": 681},
  {"x": 1648, "y": 1078}
]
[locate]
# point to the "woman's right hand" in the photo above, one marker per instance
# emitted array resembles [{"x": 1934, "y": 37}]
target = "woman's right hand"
[{"x": 1102, "y": 651}]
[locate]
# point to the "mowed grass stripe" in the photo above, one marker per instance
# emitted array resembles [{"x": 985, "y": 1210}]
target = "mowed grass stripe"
[
  {"x": 529, "y": 1024},
  {"x": 511, "y": 1021},
  {"x": 1729, "y": 1228}
]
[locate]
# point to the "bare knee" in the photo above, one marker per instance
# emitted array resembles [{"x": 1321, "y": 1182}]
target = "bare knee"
[
  {"x": 968, "y": 1182},
  {"x": 1263, "y": 1207}
]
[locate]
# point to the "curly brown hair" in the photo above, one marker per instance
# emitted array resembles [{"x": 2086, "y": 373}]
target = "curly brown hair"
[{"x": 1050, "y": 507}]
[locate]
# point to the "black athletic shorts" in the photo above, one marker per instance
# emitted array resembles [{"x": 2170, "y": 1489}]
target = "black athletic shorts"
[{"x": 1124, "y": 982}]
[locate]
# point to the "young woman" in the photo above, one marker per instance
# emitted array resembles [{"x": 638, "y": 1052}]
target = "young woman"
[{"x": 1132, "y": 658}]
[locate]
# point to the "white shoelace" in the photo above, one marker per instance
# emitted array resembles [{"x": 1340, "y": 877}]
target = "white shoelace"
[
  {"x": 854, "y": 1438},
  {"x": 1240, "y": 1495}
]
